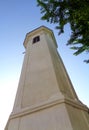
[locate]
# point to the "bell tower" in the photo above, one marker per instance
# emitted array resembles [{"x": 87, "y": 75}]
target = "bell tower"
[{"x": 46, "y": 99}]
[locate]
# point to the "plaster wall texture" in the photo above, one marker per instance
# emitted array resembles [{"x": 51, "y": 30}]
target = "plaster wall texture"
[{"x": 46, "y": 119}]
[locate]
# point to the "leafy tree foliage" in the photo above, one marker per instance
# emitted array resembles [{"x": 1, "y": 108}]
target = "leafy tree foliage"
[{"x": 74, "y": 12}]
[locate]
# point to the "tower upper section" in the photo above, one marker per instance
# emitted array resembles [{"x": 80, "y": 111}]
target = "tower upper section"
[{"x": 36, "y": 33}]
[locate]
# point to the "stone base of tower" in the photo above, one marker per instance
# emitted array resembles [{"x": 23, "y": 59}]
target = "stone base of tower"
[{"x": 55, "y": 115}]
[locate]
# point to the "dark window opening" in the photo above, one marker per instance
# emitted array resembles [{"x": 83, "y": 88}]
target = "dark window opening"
[{"x": 36, "y": 39}]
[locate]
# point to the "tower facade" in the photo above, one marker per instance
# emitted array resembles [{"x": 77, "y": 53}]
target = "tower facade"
[{"x": 46, "y": 99}]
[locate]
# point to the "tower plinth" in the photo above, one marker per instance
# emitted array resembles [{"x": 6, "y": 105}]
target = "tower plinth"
[{"x": 46, "y": 99}]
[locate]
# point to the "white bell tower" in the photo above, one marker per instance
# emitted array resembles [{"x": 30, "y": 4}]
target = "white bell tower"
[{"x": 45, "y": 98}]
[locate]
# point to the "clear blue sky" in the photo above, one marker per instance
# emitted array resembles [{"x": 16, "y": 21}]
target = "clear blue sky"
[{"x": 18, "y": 17}]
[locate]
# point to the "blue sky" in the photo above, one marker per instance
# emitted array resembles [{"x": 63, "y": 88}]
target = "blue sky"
[{"x": 18, "y": 17}]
